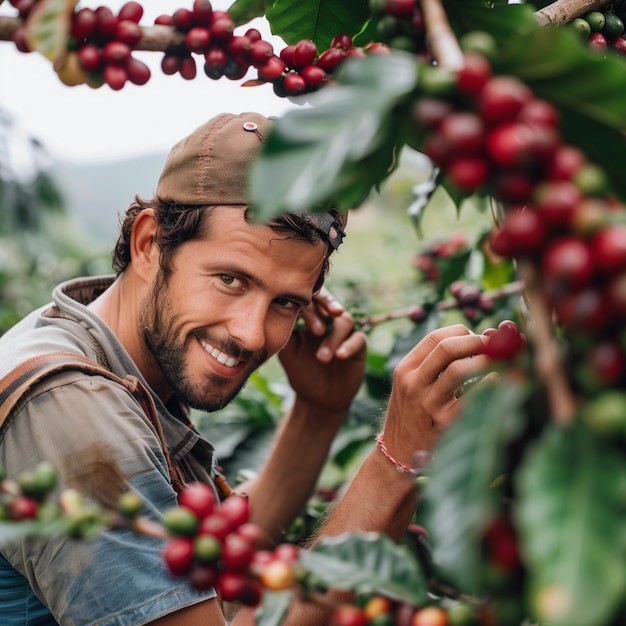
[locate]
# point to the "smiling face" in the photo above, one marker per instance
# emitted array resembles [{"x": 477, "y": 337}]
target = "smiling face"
[{"x": 230, "y": 303}]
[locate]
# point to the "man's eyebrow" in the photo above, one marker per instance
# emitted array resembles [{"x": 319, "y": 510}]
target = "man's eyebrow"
[{"x": 296, "y": 297}]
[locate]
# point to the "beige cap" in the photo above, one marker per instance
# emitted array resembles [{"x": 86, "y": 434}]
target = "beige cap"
[{"x": 210, "y": 166}]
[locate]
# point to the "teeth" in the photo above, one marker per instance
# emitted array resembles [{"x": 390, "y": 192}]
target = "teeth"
[{"x": 221, "y": 357}]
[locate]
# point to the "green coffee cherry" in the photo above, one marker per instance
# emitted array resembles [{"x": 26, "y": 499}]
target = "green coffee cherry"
[
  {"x": 596, "y": 20},
  {"x": 180, "y": 522},
  {"x": 581, "y": 26}
]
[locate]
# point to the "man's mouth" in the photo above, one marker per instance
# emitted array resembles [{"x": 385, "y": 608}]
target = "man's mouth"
[{"x": 220, "y": 357}]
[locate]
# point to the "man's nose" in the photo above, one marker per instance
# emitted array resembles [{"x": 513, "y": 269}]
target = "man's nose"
[{"x": 247, "y": 325}]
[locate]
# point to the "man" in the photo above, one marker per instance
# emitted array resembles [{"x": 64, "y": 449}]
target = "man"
[{"x": 202, "y": 296}]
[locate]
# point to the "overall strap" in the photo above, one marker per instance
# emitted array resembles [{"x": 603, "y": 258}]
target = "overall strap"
[{"x": 22, "y": 378}]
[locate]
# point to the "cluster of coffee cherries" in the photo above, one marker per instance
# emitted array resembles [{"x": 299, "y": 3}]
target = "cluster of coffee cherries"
[
  {"x": 101, "y": 45},
  {"x": 427, "y": 261},
  {"x": 214, "y": 545},
  {"x": 490, "y": 133},
  {"x": 378, "y": 610},
  {"x": 296, "y": 69},
  {"x": 21, "y": 499},
  {"x": 26, "y": 498},
  {"x": 603, "y": 29}
]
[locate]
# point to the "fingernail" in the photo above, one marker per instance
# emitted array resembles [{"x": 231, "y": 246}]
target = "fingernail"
[{"x": 324, "y": 353}]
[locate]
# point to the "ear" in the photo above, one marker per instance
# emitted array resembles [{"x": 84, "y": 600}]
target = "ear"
[{"x": 144, "y": 251}]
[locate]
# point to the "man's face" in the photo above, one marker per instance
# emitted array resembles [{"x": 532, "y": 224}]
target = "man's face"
[{"x": 230, "y": 304}]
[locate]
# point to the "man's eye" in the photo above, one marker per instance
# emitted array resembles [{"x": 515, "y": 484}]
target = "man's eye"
[
  {"x": 227, "y": 280},
  {"x": 286, "y": 304}
]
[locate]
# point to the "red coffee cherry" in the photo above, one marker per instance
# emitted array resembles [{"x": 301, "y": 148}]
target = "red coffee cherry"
[
  {"x": 505, "y": 343},
  {"x": 138, "y": 71},
  {"x": 202, "y": 11},
  {"x": 260, "y": 52},
  {"x": 314, "y": 76},
  {"x": 89, "y": 57},
  {"x": 199, "y": 498},
  {"x": 178, "y": 555},
  {"x": 84, "y": 22},
  {"x": 203, "y": 577},
  {"x": 474, "y": 74},
  {"x": 237, "y": 552},
  {"x": 21, "y": 508},
  {"x": 606, "y": 362},
  {"x": 198, "y": 39},
  {"x": 132, "y": 11},
  {"x": 304, "y": 53},
  {"x": 331, "y": 58},
  {"x": 502, "y": 99},
  {"x": 463, "y": 131},
  {"x": 583, "y": 309},
  {"x": 400, "y": 8},
  {"x": 608, "y": 248},
  {"x": 128, "y": 32},
  {"x": 347, "y": 615},
  {"x": 468, "y": 173},
  {"x": 272, "y": 70},
  {"x": 526, "y": 232},
  {"x": 115, "y": 76},
  {"x": 294, "y": 84},
  {"x": 231, "y": 585},
  {"x": 216, "y": 525},
  {"x": 556, "y": 202},
  {"x": 565, "y": 162},
  {"x": 568, "y": 261},
  {"x": 511, "y": 144}
]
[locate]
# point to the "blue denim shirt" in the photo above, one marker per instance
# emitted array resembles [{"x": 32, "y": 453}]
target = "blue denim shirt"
[{"x": 100, "y": 441}]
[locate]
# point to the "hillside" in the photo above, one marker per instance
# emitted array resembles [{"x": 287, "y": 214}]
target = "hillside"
[{"x": 97, "y": 194}]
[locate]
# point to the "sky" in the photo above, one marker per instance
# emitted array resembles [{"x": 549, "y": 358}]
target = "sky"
[{"x": 82, "y": 124}]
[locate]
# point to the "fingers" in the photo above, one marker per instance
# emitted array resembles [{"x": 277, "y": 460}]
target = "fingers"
[
  {"x": 341, "y": 341},
  {"x": 324, "y": 306}
]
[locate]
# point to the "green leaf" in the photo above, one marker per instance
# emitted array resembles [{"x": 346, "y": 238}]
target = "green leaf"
[
  {"x": 244, "y": 11},
  {"x": 367, "y": 563},
  {"x": 501, "y": 21},
  {"x": 318, "y": 20},
  {"x": 334, "y": 153},
  {"x": 274, "y": 608},
  {"x": 458, "y": 499},
  {"x": 48, "y": 26},
  {"x": 570, "y": 516}
]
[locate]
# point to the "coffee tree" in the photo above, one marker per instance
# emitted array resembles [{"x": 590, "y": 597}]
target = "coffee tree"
[{"x": 520, "y": 108}]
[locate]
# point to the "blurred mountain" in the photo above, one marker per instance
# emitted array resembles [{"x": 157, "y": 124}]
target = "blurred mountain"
[{"x": 97, "y": 194}]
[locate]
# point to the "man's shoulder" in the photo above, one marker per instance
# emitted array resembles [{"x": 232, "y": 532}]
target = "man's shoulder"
[{"x": 37, "y": 335}]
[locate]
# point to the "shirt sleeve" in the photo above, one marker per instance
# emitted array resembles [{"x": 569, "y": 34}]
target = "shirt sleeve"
[{"x": 96, "y": 435}]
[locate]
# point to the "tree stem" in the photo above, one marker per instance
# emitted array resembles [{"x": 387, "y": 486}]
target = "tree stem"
[
  {"x": 440, "y": 38},
  {"x": 563, "y": 11},
  {"x": 548, "y": 363},
  {"x": 443, "y": 305}
]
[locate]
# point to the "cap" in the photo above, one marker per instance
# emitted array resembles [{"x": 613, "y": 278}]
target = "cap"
[{"x": 210, "y": 167}]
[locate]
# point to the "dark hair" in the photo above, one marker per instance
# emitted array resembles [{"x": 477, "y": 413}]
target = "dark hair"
[{"x": 178, "y": 224}]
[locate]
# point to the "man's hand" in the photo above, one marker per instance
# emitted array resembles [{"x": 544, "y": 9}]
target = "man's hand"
[
  {"x": 325, "y": 360},
  {"x": 424, "y": 398}
]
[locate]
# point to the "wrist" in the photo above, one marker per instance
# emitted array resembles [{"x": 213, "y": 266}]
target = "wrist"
[
  {"x": 318, "y": 415},
  {"x": 412, "y": 466}
]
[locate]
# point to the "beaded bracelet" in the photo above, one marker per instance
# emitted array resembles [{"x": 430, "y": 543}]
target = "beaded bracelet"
[{"x": 400, "y": 467}]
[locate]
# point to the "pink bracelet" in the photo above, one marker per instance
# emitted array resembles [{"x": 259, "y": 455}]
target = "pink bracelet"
[{"x": 403, "y": 469}]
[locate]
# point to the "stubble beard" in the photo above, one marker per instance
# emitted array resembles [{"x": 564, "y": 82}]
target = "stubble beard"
[{"x": 158, "y": 330}]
